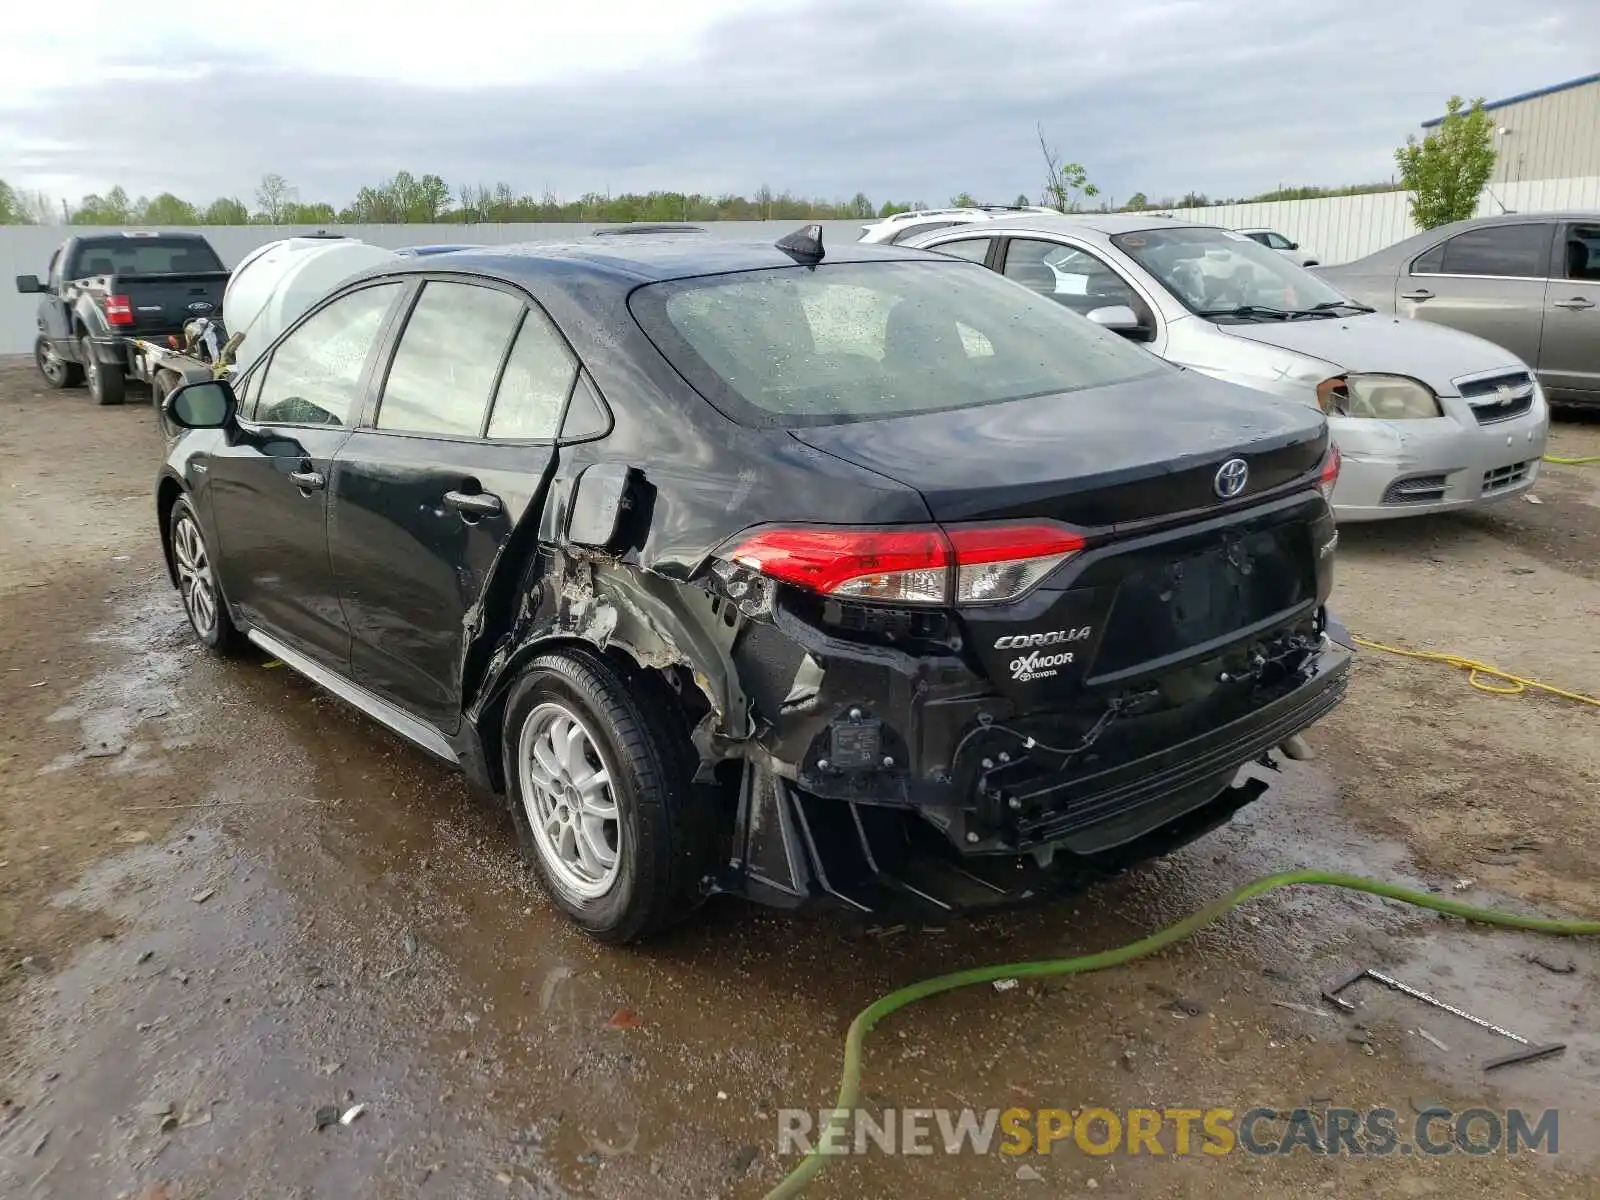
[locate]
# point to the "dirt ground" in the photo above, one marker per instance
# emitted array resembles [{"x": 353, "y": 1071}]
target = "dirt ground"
[{"x": 227, "y": 901}]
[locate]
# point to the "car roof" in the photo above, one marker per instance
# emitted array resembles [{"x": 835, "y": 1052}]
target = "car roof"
[
  {"x": 1106, "y": 223},
  {"x": 1427, "y": 237},
  {"x": 643, "y": 258}
]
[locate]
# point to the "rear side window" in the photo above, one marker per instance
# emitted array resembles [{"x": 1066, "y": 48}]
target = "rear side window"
[
  {"x": 141, "y": 256},
  {"x": 972, "y": 249},
  {"x": 853, "y": 341},
  {"x": 444, "y": 369},
  {"x": 1504, "y": 250},
  {"x": 537, "y": 378}
]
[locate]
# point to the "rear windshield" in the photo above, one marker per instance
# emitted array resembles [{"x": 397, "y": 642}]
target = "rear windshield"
[
  {"x": 141, "y": 256},
  {"x": 855, "y": 341}
]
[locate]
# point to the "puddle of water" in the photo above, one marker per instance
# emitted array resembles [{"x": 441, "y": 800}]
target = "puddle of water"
[{"x": 139, "y": 694}]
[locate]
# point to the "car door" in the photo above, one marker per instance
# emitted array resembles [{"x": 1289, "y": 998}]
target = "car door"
[
  {"x": 1569, "y": 352},
  {"x": 426, "y": 494},
  {"x": 267, "y": 483},
  {"x": 1489, "y": 281}
]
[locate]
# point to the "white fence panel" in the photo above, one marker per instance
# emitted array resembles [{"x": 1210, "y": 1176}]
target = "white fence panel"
[
  {"x": 1340, "y": 228},
  {"x": 1337, "y": 229}
]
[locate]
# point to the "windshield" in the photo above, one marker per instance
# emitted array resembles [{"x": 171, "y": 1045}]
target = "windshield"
[
  {"x": 1219, "y": 273},
  {"x": 856, "y": 341},
  {"x": 141, "y": 256}
]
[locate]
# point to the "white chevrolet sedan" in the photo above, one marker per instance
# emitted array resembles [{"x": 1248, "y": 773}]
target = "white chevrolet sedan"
[{"x": 1427, "y": 419}]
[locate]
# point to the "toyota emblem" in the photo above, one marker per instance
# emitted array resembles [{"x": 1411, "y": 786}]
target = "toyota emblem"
[{"x": 1231, "y": 478}]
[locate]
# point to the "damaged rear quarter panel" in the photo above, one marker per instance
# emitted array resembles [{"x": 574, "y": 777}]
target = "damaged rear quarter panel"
[{"x": 698, "y": 479}]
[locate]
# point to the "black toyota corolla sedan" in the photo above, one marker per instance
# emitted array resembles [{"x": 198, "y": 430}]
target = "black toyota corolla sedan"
[{"x": 863, "y": 576}]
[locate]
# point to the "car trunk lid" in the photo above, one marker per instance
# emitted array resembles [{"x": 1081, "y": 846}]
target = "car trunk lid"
[{"x": 1097, "y": 459}]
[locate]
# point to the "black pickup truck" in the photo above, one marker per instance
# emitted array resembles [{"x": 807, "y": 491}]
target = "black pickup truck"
[{"x": 106, "y": 292}]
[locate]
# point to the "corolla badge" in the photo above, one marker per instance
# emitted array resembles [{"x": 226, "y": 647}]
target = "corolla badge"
[
  {"x": 201, "y": 306},
  {"x": 1231, "y": 478}
]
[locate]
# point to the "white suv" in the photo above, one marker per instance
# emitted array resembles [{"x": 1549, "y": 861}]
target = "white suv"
[{"x": 925, "y": 220}]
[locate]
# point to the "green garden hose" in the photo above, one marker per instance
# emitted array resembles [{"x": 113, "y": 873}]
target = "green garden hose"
[
  {"x": 1572, "y": 462},
  {"x": 797, "y": 1180}
]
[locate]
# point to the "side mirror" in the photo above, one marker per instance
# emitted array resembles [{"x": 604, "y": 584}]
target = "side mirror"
[
  {"x": 27, "y": 284},
  {"x": 1294, "y": 245},
  {"x": 204, "y": 404},
  {"x": 1118, "y": 318}
]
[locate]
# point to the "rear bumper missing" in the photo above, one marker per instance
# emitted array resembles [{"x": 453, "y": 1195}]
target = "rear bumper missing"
[{"x": 959, "y": 839}]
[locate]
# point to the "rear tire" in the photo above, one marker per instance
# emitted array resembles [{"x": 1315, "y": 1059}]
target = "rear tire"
[
  {"x": 198, "y": 588},
  {"x": 622, "y": 853},
  {"x": 161, "y": 387},
  {"x": 108, "y": 385},
  {"x": 58, "y": 372}
]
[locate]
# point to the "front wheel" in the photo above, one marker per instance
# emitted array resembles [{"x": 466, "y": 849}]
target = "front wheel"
[
  {"x": 599, "y": 787},
  {"x": 197, "y": 581},
  {"x": 108, "y": 385},
  {"x": 57, "y": 371}
]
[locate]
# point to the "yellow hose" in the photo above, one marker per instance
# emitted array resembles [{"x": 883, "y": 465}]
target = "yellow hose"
[
  {"x": 1572, "y": 462},
  {"x": 1479, "y": 674}
]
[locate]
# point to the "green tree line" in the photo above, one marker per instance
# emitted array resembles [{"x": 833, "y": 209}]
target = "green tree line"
[{"x": 427, "y": 199}]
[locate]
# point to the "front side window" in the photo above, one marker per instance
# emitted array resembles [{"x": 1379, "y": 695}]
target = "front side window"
[
  {"x": 844, "y": 342},
  {"x": 449, "y": 354},
  {"x": 1071, "y": 277},
  {"x": 1500, "y": 250},
  {"x": 1276, "y": 241},
  {"x": 314, "y": 376},
  {"x": 1219, "y": 273}
]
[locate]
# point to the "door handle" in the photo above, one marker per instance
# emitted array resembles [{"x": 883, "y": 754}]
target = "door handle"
[
  {"x": 1419, "y": 294},
  {"x": 308, "y": 481},
  {"x": 1576, "y": 304},
  {"x": 473, "y": 504}
]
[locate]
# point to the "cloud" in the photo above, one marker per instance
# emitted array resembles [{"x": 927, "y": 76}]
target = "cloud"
[{"x": 824, "y": 97}]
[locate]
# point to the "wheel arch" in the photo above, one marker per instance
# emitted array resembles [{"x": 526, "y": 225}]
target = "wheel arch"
[
  {"x": 168, "y": 491},
  {"x": 663, "y": 632}
]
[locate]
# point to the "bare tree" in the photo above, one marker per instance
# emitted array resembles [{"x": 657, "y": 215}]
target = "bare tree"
[
  {"x": 275, "y": 194},
  {"x": 1066, "y": 183}
]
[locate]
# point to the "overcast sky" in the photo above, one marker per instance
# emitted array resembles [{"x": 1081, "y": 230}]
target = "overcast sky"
[{"x": 903, "y": 99}]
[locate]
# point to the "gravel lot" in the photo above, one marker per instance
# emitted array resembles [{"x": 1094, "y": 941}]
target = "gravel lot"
[{"x": 227, "y": 901}]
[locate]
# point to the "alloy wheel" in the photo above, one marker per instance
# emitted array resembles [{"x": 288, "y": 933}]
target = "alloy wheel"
[
  {"x": 195, "y": 581},
  {"x": 50, "y": 363},
  {"x": 570, "y": 800}
]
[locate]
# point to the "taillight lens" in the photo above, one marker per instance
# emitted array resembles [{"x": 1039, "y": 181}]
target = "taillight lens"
[
  {"x": 119, "y": 310},
  {"x": 974, "y": 564},
  {"x": 1330, "y": 472},
  {"x": 905, "y": 566},
  {"x": 1003, "y": 562}
]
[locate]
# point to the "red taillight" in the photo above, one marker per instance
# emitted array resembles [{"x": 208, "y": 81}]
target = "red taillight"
[
  {"x": 1003, "y": 562},
  {"x": 972, "y": 564},
  {"x": 1330, "y": 472},
  {"x": 119, "y": 310},
  {"x": 872, "y": 564}
]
